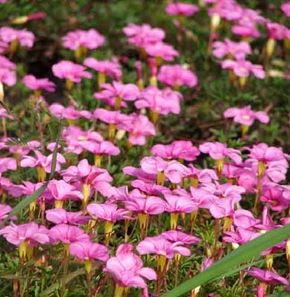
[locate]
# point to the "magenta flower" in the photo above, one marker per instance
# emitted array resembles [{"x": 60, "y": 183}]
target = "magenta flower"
[
  {"x": 201, "y": 175},
  {"x": 106, "y": 212},
  {"x": 244, "y": 219},
  {"x": 243, "y": 68},
  {"x": 114, "y": 93},
  {"x": 61, "y": 216},
  {"x": 61, "y": 191},
  {"x": 90, "y": 39},
  {"x": 161, "y": 50},
  {"x": 276, "y": 31},
  {"x": 285, "y": 7},
  {"x": 24, "y": 149},
  {"x": 67, "y": 234},
  {"x": 159, "y": 101},
  {"x": 139, "y": 127},
  {"x": 25, "y": 236},
  {"x": 110, "y": 116},
  {"x": 38, "y": 84},
  {"x": 4, "y": 114},
  {"x": 181, "y": 9},
  {"x": 267, "y": 276},
  {"x": 87, "y": 250},
  {"x": 7, "y": 164},
  {"x": 6, "y": 63},
  {"x": 107, "y": 67},
  {"x": 42, "y": 161},
  {"x": 218, "y": 151},
  {"x": 240, "y": 236},
  {"x": 7, "y": 77},
  {"x": 149, "y": 188},
  {"x": 23, "y": 37},
  {"x": 276, "y": 196},
  {"x": 69, "y": 113},
  {"x": 237, "y": 50},
  {"x": 178, "y": 149},
  {"x": 177, "y": 76},
  {"x": 148, "y": 205},
  {"x": 179, "y": 236},
  {"x": 179, "y": 204},
  {"x": 127, "y": 270},
  {"x": 70, "y": 71},
  {"x": 143, "y": 35},
  {"x": 4, "y": 211},
  {"x": 158, "y": 245},
  {"x": 246, "y": 116},
  {"x": 103, "y": 148}
]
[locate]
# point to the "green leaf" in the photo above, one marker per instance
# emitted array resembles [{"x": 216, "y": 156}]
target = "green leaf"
[
  {"x": 230, "y": 262},
  {"x": 24, "y": 203}
]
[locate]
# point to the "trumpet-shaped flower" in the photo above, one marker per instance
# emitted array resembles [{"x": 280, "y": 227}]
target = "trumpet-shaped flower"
[
  {"x": 127, "y": 269},
  {"x": 107, "y": 67},
  {"x": 159, "y": 101},
  {"x": 61, "y": 216},
  {"x": 30, "y": 233},
  {"x": 90, "y": 39},
  {"x": 177, "y": 76},
  {"x": 246, "y": 116},
  {"x": 33, "y": 83},
  {"x": 67, "y": 234},
  {"x": 243, "y": 68},
  {"x": 143, "y": 35},
  {"x": 106, "y": 212},
  {"x": 70, "y": 71},
  {"x": 178, "y": 149},
  {"x": 237, "y": 50},
  {"x": 87, "y": 250},
  {"x": 181, "y": 9}
]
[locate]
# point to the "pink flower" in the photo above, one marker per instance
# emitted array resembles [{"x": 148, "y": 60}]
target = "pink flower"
[
  {"x": 243, "y": 68},
  {"x": 110, "y": 92},
  {"x": 180, "y": 8},
  {"x": 240, "y": 236},
  {"x": 97, "y": 179},
  {"x": 7, "y": 76},
  {"x": 6, "y": 63},
  {"x": 106, "y": 212},
  {"x": 103, "y": 148},
  {"x": 148, "y": 205},
  {"x": 276, "y": 31},
  {"x": 142, "y": 35},
  {"x": 219, "y": 151},
  {"x": 161, "y": 50},
  {"x": 90, "y": 39},
  {"x": 30, "y": 232},
  {"x": 159, "y": 101},
  {"x": 149, "y": 188},
  {"x": 24, "y": 37},
  {"x": 87, "y": 250},
  {"x": 277, "y": 197},
  {"x": 70, "y": 71},
  {"x": 237, "y": 50},
  {"x": 4, "y": 114},
  {"x": 177, "y": 76},
  {"x": 158, "y": 245},
  {"x": 7, "y": 164},
  {"x": 60, "y": 190},
  {"x": 139, "y": 127},
  {"x": 77, "y": 139},
  {"x": 67, "y": 234},
  {"x": 4, "y": 211},
  {"x": 33, "y": 83},
  {"x": 42, "y": 161},
  {"x": 285, "y": 7},
  {"x": 267, "y": 276},
  {"x": 179, "y": 204},
  {"x": 246, "y": 116},
  {"x": 109, "y": 68},
  {"x": 24, "y": 149},
  {"x": 127, "y": 269},
  {"x": 110, "y": 116},
  {"x": 244, "y": 219},
  {"x": 61, "y": 216},
  {"x": 178, "y": 149},
  {"x": 179, "y": 236},
  {"x": 70, "y": 113}
]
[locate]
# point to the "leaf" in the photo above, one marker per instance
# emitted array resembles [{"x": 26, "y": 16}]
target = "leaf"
[
  {"x": 228, "y": 265},
  {"x": 24, "y": 203}
]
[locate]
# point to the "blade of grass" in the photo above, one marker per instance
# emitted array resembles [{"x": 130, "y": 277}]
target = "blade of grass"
[{"x": 229, "y": 263}]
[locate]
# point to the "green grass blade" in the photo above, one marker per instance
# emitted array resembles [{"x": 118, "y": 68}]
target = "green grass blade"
[{"x": 239, "y": 256}]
